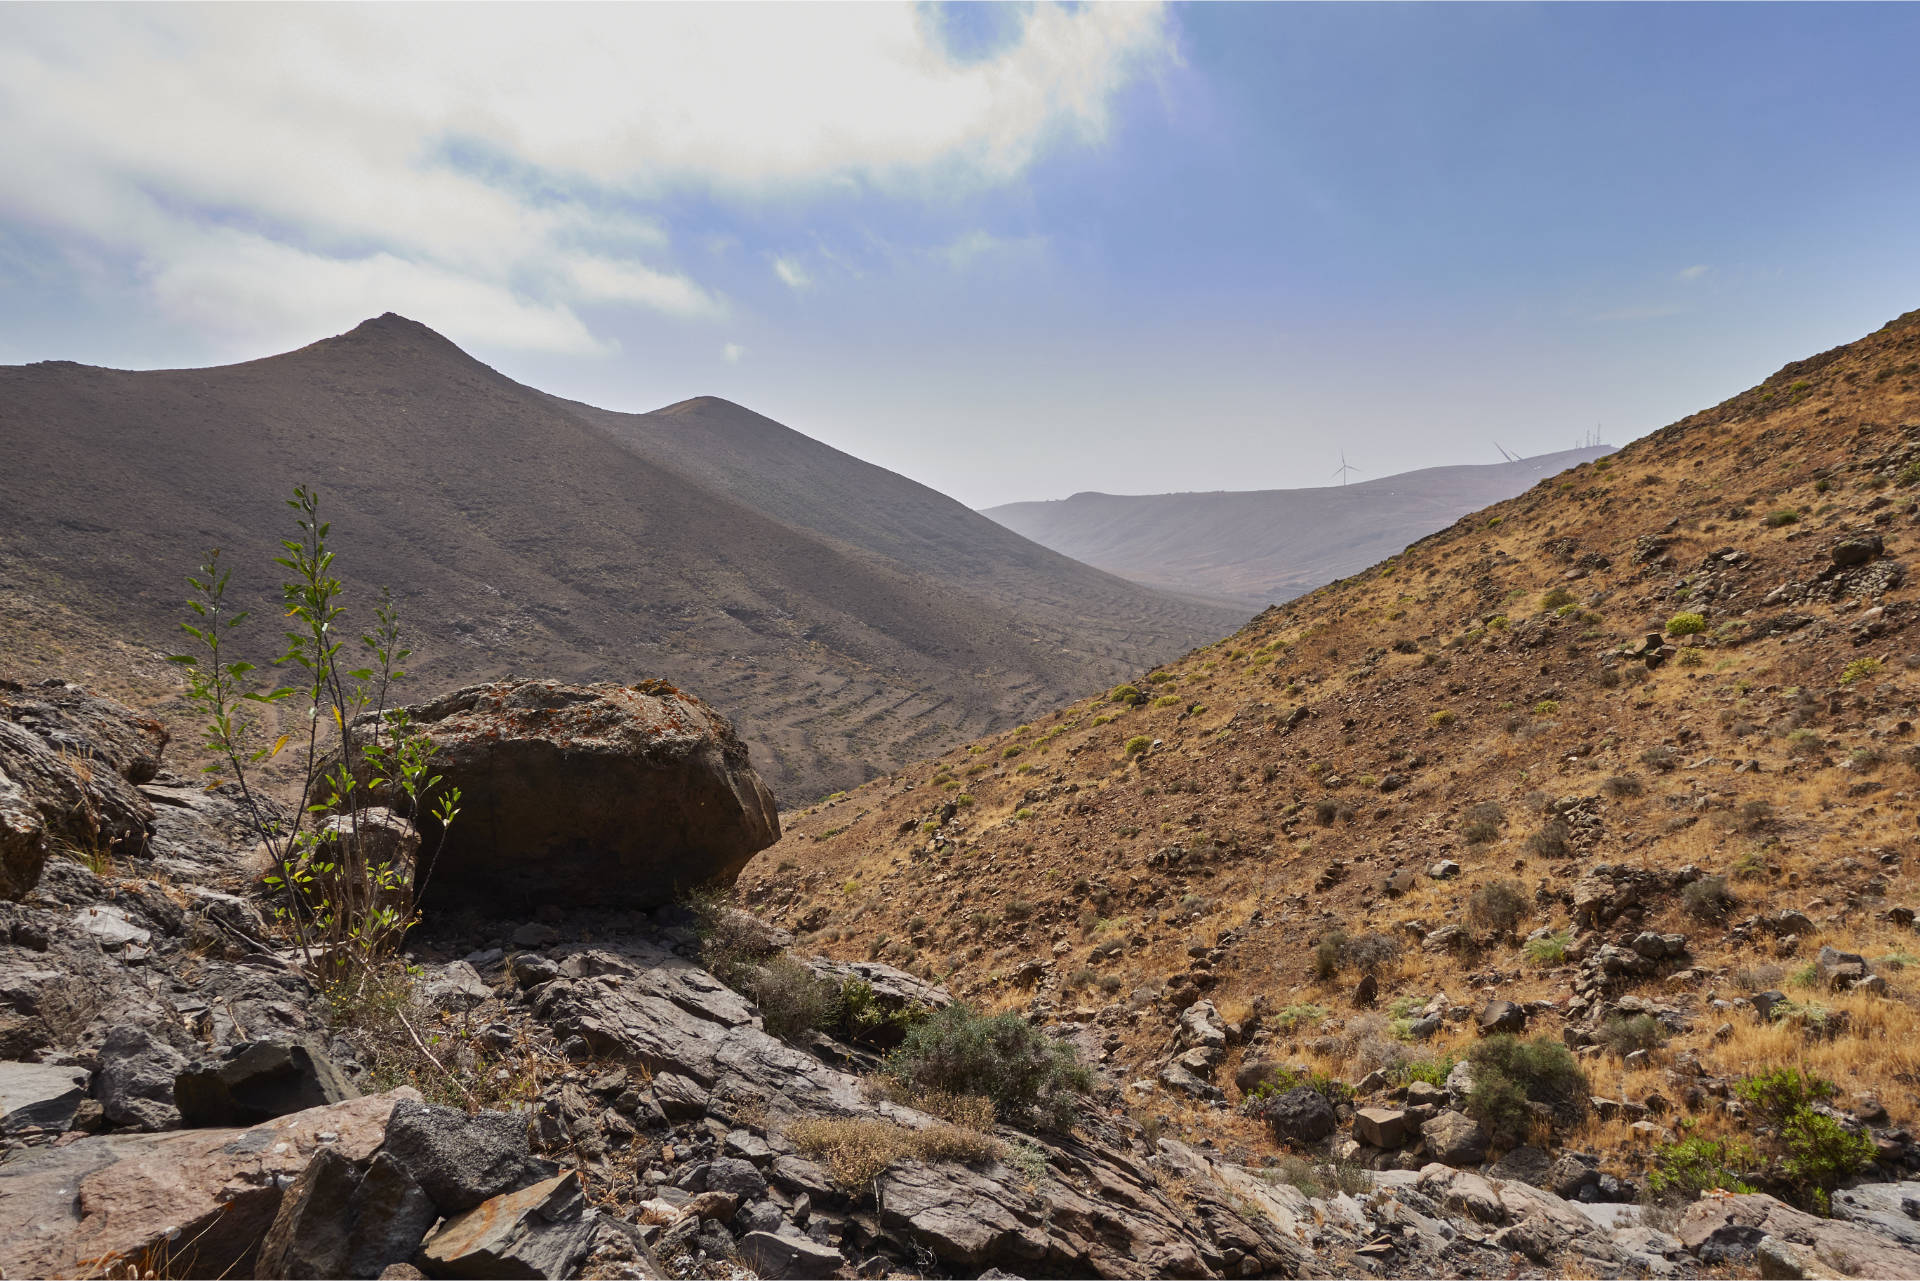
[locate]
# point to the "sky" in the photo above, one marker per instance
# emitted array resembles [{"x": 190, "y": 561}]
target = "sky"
[{"x": 1011, "y": 251}]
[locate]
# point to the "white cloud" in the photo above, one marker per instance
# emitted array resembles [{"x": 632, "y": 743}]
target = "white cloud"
[
  {"x": 497, "y": 163},
  {"x": 792, "y": 274},
  {"x": 732, "y": 352},
  {"x": 1695, "y": 272},
  {"x": 974, "y": 246}
]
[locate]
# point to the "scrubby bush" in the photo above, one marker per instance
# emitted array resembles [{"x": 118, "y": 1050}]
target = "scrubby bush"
[
  {"x": 1821, "y": 1153},
  {"x": 1778, "y": 1093},
  {"x": 856, "y": 1151},
  {"x": 1785, "y": 516},
  {"x": 1660, "y": 758},
  {"x": 1495, "y": 908},
  {"x": 1621, "y": 786},
  {"x": 1284, "y": 1080},
  {"x": 1138, "y": 745},
  {"x": 1686, "y": 624},
  {"x": 1327, "y": 955},
  {"x": 1028, "y": 1075},
  {"x": 1625, "y": 1033},
  {"x": 1555, "y": 598},
  {"x": 1709, "y": 899},
  {"x": 1372, "y": 951},
  {"x": 1509, "y": 1074},
  {"x": 1130, "y": 695},
  {"x": 1552, "y": 840},
  {"x": 1549, "y": 950},
  {"x": 1858, "y": 670},
  {"x": 1693, "y": 1166},
  {"x": 1481, "y": 823},
  {"x": 793, "y": 1000}
]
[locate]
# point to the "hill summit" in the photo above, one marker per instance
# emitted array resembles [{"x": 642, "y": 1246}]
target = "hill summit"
[{"x": 847, "y": 617}]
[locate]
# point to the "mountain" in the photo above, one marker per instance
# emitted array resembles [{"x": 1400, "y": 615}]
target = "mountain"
[
  {"x": 1463, "y": 791},
  {"x": 847, "y": 618},
  {"x": 1265, "y": 545}
]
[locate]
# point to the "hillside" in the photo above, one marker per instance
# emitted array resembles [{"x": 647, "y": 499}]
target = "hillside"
[
  {"x": 1266, "y": 545},
  {"x": 523, "y": 534},
  {"x": 1459, "y": 771}
]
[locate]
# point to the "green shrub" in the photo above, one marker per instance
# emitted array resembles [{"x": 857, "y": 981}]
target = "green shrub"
[
  {"x": 1821, "y": 1153},
  {"x": 1552, "y": 840},
  {"x": 1557, "y": 598},
  {"x": 866, "y": 1019},
  {"x": 1283, "y": 1080},
  {"x": 1327, "y": 955},
  {"x": 1547, "y": 707},
  {"x": 1509, "y": 1074},
  {"x": 1138, "y": 745},
  {"x": 1441, "y": 719},
  {"x": 1029, "y": 1076},
  {"x": 1778, "y": 1093},
  {"x": 1549, "y": 950},
  {"x": 1481, "y": 823},
  {"x": 793, "y": 1000},
  {"x": 1686, "y": 624},
  {"x": 1709, "y": 899},
  {"x": 1128, "y": 694},
  {"x": 1785, "y": 516},
  {"x": 1298, "y": 1016},
  {"x": 1433, "y": 1071},
  {"x": 1858, "y": 670},
  {"x": 1693, "y": 1166}
]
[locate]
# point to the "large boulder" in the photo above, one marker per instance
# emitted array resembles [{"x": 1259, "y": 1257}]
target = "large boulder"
[{"x": 613, "y": 794}]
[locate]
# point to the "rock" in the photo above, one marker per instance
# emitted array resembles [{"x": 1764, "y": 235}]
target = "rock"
[
  {"x": 135, "y": 1081},
  {"x": 1570, "y": 1173},
  {"x": 1463, "y": 1192},
  {"x": 1380, "y": 1127},
  {"x": 1453, "y": 1138},
  {"x": 740, "y": 1178},
  {"x": 1839, "y": 970},
  {"x": 1502, "y": 1016},
  {"x": 1366, "y": 993},
  {"x": 1849, "y": 552},
  {"x": 1201, "y": 1025},
  {"x": 609, "y": 794},
  {"x": 535, "y": 934},
  {"x": 1252, "y": 1073},
  {"x": 772, "y": 1255},
  {"x": 1764, "y": 1004},
  {"x": 1728, "y": 1229},
  {"x": 460, "y": 1160},
  {"x": 539, "y": 1231},
  {"x": 1524, "y": 1164},
  {"x": 48, "y": 796},
  {"x": 307, "y": 1238},
  {"x": 389, "y": 1213},
  {"x": 1459, "y": 1085},
  {"x": 260, "y": 1081},
  {"x": 1423, "y": 1028},
  {"x": 200, "y": 1199},
  {"x": 1301, "y": 1115},
  {"x": 87, "y": 727},
  {"x": 1443, "y": 870},
  {"x": 110, "y": 927},
  {"x": 454, "y": 986},
  {"x": 1780, "y": 1260},
  {"x": 349, "y": 851},
  {"x": 39, "y": 1098}
]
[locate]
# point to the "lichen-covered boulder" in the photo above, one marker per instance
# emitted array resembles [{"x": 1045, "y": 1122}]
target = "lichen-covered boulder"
[{"x": 622, "y": 795}]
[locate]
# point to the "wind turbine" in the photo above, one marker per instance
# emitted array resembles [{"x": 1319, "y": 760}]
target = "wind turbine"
[{"x": 1342, "y": 470}]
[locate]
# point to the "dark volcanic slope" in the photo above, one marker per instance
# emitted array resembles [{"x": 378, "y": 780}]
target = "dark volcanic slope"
[
  {"x": 523, "y": 534},
  {"x": 1271, "y": 544}
]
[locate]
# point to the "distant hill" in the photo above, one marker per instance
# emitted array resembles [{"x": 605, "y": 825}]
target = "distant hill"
[
  {"x": 847, "y": 618},
  {"x": 1266, "y": 545}
]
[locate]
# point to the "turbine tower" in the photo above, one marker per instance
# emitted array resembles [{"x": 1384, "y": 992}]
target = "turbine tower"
[{"x": 1342, "y": 470}]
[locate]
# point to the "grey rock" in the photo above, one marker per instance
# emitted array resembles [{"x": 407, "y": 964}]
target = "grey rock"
[
  {"x": 1524, "y": 1164},
  {"x": 454, "y": 986},
  {"x": 1380, "y": 1127},
  {"x": 1839, "y": 970},
  {"x": 1892, "y": 1209},
  {"x": 460, "y": 1160},
  {"x": 535, "y": 934},
  {"x": 1302, "y": 1115},
  {"x": 740, "y": 1178},
  {"x": 1453, "y": 1138},
  {"x": 135, "y": 1080},
  {"x": 39, "y": 1097},
  {"x": 772, "y": 1255},
  {"x": 110, "y": 927},
  {"x": 539, "y": 1231},
  {"x": 390, "y": 1213},
  {"x": 308, "y": 1236},
  {"x": 260, "y": 1081},
  {"x": 1502, "y": 1016}
]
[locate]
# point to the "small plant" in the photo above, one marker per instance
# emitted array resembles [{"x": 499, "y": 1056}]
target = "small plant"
[
  {"x": 1785, "y": 516},
  {"x": 1549, "y": 950},
  {"x": 793, "y": 1000},
  {"x": 1441, "y": 719},
  {"x": 1697, "y": 1165},
  {"x": 1821, "y": 1154},
  {"x": 1778, "y": 1093},
  {"x": 1858, "y": 670},
  {"x": 1709, "y": 899},
  {"x": 1552, "y": 840},
  {"x": 1686, "y": 624},
  {"x": 1433, "y": 1071},
  {"x": 1481, "y": 823},
  {"x": 1129, "y": 695},
  {"x": 1621, "y": 786},
  {"x": 1139, "y": 745},
  {"x": 1547, "y": 707},
  {"x": 1625, "y": 1033},
  {"x": 1661, "y": 759},
  {"x": 1691, "y": 658},
  {"x": 1557, "y": 598},
  {"x": 1493, "y": 909},
  {"x": 856, "y": 1151},
  {"x": 1327, "y": 955}
]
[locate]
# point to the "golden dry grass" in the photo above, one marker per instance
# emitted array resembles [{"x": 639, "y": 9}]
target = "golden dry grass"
[{"x": 857, "y": 1150}]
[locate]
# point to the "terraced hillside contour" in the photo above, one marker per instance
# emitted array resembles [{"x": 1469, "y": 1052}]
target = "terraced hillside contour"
[
  {"x": 1625, "y": 752},
  {"x": 848, "y": 619}
]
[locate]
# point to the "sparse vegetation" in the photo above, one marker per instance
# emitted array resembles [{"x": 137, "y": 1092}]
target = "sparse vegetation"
[
  {"x": 1686, "y": 624},
  {"x": 1028, "y": 1075},
  {"x": 1495, "y": 908},
  {"x": 1509, "y": 1074}
]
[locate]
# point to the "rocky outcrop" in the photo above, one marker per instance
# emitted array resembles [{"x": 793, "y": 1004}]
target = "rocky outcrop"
[
  {"x": 69, "y": 765},
  {"x": 616, "y": 794}
]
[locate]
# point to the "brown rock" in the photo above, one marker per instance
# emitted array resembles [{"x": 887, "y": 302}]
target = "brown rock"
[
  {"x": 538, "y": 1231},
  {"x": 1380, "y": 1127},
  {"x": 614, "y": 794},
  {"x": 195, "y": 1202}
]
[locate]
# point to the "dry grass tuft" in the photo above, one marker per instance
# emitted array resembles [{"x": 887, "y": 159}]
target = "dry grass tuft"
[{"x": 856, "y": 1151}]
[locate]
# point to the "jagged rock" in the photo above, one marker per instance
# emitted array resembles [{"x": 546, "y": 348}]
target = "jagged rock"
[
  {"x": 260, "y": 1081},
  {"x": 1366, "y": 993},
  {"x": 1839, "y": 970},
  {"x": 87, "y": 727},
  {"x": 773, "y": 1255},
  {"x": 1524, "y": 1164},
  {"x": 308, "y": 1237},
  {"x": 52, "y": 793},
  {"x": 1729, "y": 1228},
  {"x": 460, "y": 1160},
  {"x": 539, "y": 1231},
  {"x": 454, "y": 986},
  {"x": 1302, "y": 1115},
  {"x": 1892, "y": 1209},
  {"x": 38, "y": 1097},
  {"x": 1176, "y": 1076},
  {"x": 1849, "y": 552},
  {"x": 1502, "y": 1016},
  {"x": 612, "y": 794},
  {"x": 1463, "y": 1192},
  {"x": 1380, "y": 1127},
  {"x": 389, "y": 1213},
  {"x": 1201, "y": 1025},
  {"x": 138, "y": 1066},
  {"x": 1453, "y": 1138},
  {"x": 199, "y": 1199},
  {"x": 1252, "y": 1072}
]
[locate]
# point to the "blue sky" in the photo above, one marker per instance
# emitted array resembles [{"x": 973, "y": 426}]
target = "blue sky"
[{"x": 1013, "y": 252}]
